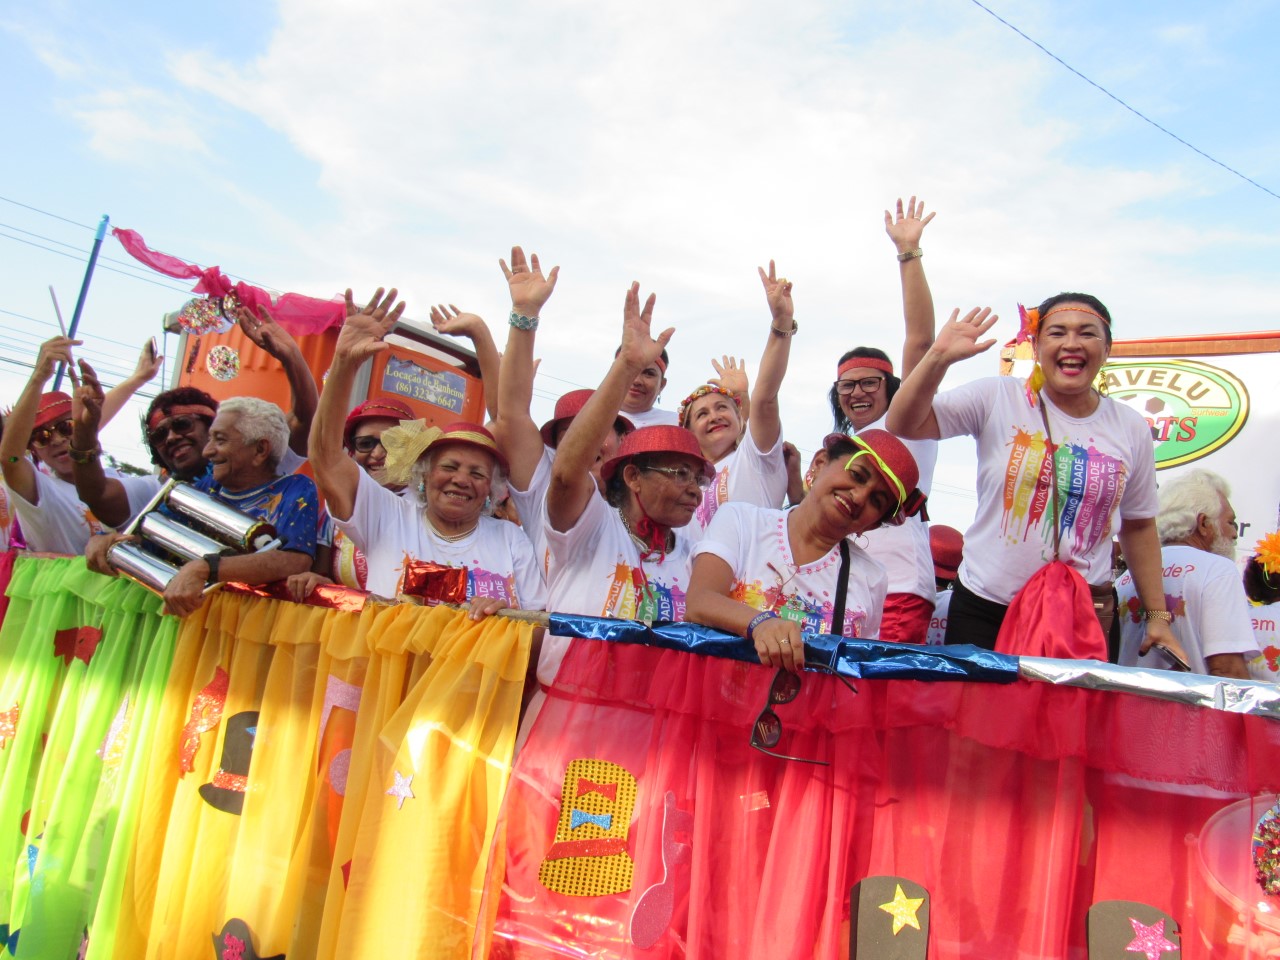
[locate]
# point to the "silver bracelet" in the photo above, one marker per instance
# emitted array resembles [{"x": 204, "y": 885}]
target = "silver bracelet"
[{"x": 523, "y": 323}]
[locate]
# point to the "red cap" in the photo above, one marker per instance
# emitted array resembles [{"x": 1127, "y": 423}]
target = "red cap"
[
  {"x": 54, "y": 406},
  {"x": 947, "y": 545},
  {"x": 568, "y": 407},
  {"x": 469, "y": 435},
  {"x": 660, "y": 439},
  {"x": 379, "y": 408}
]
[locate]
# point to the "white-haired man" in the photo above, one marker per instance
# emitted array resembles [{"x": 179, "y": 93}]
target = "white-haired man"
[
  {"x": 246, "y": 441},
  {"x": 1203, "y": 592}
]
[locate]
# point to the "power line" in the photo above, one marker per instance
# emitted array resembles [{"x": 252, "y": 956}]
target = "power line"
[
  {"x": 127, "y": 264},
  {"x": 85, "y": 226},
  {"x": 1134, "y": 111},
  {"x": 63, "y": 253}
]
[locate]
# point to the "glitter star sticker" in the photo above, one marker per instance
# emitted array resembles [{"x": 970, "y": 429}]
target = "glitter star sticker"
[
  {"x": 903, "y": 909},
  {"x": 401, "y": 790},
  {"x": 1149, "y": 940}
]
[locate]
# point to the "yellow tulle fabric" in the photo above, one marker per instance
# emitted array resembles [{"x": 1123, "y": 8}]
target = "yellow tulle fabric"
[{"x": 323, "y": 861}]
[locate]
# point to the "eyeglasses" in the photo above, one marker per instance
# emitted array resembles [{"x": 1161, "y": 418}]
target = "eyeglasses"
[
  {"x": 684, "y": 475},
  {"x": 181, "y": 425},
  {"x": 767, "y": 730},
  {"x": 43, "y": 436},
  {"x": 366, "y": 444},
  {"x": 867, "y": 384}
]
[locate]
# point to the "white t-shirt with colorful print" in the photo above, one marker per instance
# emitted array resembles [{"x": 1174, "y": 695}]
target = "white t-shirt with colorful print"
[
  {"x": 391, "y": 530},
  {"x": 753, "y": 542},
  {"x": 1105, "y": 469},
  {"x": 595, "y": 570},
  {"x": 1265, "y": 666},
  {"x": 745, "y": 476},
  {"x": 59, "y": 522},
  {"x": 1204, "y": 595}
]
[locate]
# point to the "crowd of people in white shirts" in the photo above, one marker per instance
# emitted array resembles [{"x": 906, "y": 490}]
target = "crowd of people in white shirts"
[{"x": 619, "y": 508}]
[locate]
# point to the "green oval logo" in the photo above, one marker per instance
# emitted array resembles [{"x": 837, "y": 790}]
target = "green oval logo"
[{"x": 1193, "y": 409}]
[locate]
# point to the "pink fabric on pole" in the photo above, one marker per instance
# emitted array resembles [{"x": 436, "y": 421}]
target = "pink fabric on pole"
[{"x": 298, "y": 314}]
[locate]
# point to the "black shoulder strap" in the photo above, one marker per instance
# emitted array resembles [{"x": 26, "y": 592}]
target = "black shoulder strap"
[{"x": 842, "y": 590}]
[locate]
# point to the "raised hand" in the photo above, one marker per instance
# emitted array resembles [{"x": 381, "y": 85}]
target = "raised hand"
[
  {"x": 732, "y": 375},
  {"x": 958, "y": 338},
  {"x": 263, "y": 330},
  {"x": 639, "y": 347},
  {"x": 905, "y": 230},
  {"x": 86, "y": 402},
  {"x": 530, "y": 290},
  {"x": 778, "y": 292},
  {"x": 452, "y": 322},
  {"x": 149, "y": 362},
  {"x": 53, "y": 352},
  {"x": 366, "y": 327}
]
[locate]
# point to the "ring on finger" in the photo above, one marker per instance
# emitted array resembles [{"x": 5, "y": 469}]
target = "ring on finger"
[{"x": 784, "y": 641}]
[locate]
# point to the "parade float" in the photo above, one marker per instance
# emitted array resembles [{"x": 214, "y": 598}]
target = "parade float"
[{"x": 338, "y": 778}]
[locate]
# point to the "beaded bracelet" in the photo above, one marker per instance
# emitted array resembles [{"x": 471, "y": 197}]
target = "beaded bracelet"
[
  {"x": 758, "y": 619},
  {"x": 523, "y": 323}
]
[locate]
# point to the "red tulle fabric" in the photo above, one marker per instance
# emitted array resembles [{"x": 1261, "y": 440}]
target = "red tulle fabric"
[
  {"x": 297, "y": 314},
  {"x": 1015, "y": 806},
  {"x": 1052, "y": 616}
]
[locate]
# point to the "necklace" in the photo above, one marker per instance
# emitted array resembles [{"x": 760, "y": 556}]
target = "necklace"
[
  {"x": 646, "y": 549},
  {"x": 449, "y": 537}
]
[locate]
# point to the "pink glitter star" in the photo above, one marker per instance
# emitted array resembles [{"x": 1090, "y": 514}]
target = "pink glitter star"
[{"x": 1149, "y": 940}]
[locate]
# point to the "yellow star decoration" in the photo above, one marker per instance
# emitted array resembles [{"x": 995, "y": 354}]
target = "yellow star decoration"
[{"x": 903, "y": 909}]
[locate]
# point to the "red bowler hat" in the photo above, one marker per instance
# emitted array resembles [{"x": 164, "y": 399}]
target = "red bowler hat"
[
  {"x": 378, "y": 408},
  {"x": 660, "y": 439},
  {"x": 568, "y": 407},
  {"x": 947, "y": 545},
  {"x": 54, "y": 406},
  {"x": 469, "y": 435},
  {"x": 890, "y": 457}
]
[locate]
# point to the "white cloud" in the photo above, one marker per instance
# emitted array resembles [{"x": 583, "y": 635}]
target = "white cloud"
[{"x": 137, "y": 124}]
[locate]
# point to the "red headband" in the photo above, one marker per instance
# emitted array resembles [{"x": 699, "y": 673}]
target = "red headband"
[
  {"x": 852, "y": 363},
  {"x": 187, "y": 409}
]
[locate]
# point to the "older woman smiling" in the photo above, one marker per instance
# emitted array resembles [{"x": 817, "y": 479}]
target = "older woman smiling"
[{"x": 451, "y": 470}]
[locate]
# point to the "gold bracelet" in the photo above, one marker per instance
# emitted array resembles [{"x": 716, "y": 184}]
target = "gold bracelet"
[
  {"x": 910, "y": 255},
  {"x": 1164, "y": 615},
  {"x": 84, "y": 456},
  {"x": 795, "y": 327}
]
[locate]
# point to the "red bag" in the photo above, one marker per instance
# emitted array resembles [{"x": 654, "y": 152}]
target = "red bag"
[{"x": 1052, "y": 616}]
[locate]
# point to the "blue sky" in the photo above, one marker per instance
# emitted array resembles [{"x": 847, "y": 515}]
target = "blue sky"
[{"x": 311, "y": 146}]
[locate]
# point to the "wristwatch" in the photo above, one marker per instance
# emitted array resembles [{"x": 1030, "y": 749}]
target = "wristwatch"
[{"x": 212, "y": 559}]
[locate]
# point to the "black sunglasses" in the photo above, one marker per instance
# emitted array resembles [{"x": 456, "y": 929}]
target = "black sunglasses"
[
  {"x": 767, "y": 730},
  {"x": 44, "y": 435},
  {"x": 180, "y": 425}
]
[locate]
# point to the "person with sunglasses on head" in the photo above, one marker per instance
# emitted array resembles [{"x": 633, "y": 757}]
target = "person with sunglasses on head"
[
  {"x": 749, "y": 463},
  {"x": 176, "y": 428},
  {"x": 53, "y": 517},
  {"x": 865, "y": 384},
  {"x": 362, "y": 440},
  {"x": 772, "y": 575},
  {"x": 627, "y": 553},
  {"x": 1034, "y": 508},
  {"x": 450, "y": 470},
  {"x": 531, "y": 450}
]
